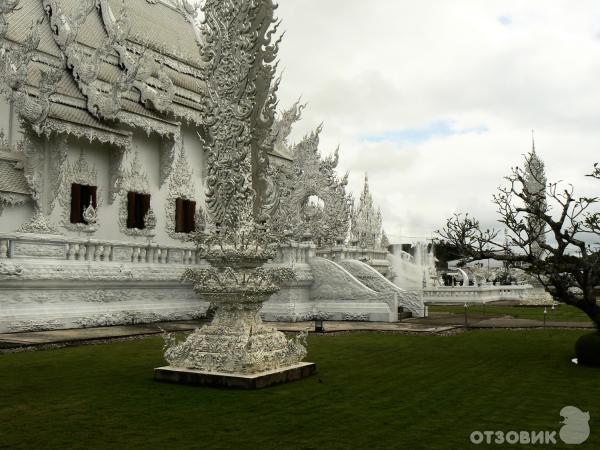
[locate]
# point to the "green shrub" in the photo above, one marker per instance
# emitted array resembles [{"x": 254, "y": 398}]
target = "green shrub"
[{"x": 587, "y": 349}]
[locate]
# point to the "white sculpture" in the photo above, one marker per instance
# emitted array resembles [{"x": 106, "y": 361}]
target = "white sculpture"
[
  {"x": 90, "y": 215},
  {"x": 235, "y": 243},
  {"x": 236, "y": 341}
]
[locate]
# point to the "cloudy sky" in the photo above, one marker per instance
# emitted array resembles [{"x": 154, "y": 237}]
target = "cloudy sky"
[{"x": 436, "y": 100}]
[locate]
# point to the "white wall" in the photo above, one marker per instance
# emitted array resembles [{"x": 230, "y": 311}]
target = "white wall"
[
  {"x": 99, "y": 156},
  {"x": 12, "y": 217},
  {"x": 197, "y": 157}
]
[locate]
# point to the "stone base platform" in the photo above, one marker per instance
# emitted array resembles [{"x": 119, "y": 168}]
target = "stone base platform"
[{"x": 235, "y": 381}]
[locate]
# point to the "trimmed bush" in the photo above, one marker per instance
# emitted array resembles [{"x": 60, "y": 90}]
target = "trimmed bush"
[{"x": 587, "y": 349}]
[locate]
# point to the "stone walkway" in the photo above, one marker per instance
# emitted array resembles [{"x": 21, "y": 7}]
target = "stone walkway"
[
  {"x": 75, "y": 336},
  {"x": 35, "y": 338},
  {"x": 435, "y": 324},
  {"x": 487, "y": 321}
]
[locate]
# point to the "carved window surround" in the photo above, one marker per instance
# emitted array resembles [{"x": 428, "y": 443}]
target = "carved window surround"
[
  {"x": 168, "y": 153},
  {"x": 181, "y": 185},
  {"x": 134, "y": 179},
  {"x": 116, "y": 174},
  {"x": 80, "y": 172}
]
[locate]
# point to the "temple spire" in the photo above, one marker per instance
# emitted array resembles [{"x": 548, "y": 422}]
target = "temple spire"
[
  {"x": 366, "y": 220},
  {"x": 535, "y": 185}
]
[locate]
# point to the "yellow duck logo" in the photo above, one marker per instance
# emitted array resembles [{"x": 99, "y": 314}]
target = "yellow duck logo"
[{"x": 576, "y": 428}]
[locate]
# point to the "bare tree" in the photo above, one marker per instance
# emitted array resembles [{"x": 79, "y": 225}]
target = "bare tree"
[{"x": 552, "y": 231}]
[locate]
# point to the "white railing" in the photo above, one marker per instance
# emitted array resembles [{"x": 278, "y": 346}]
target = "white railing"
[
  {"x": 341, "y": 252},
  {"x": 24, "y": 246},
  {"x": 295, "y": 253},
  {"x": 475, "y": 294}
]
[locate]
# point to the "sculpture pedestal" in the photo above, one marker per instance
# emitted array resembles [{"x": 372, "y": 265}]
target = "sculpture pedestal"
[
  {"x": 235, "y": 381},
  {"x": 236, "y": 341},
  {"x": 236, "y": 350}
]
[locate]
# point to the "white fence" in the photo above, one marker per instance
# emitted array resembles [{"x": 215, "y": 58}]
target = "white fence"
[{"x": 476, "y": 294}]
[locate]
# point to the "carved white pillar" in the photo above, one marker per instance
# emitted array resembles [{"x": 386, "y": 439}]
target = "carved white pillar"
[
  {"x": 150, "y": 254},
  {"x": 3, "y": 248},
  {"x": 91, "y": 252},
  {"x": 70, "y": 251},
  {"x": 80, "y": 251},
  {"x": 301, "y": 253},
  {"x": 100, "y": 252}
]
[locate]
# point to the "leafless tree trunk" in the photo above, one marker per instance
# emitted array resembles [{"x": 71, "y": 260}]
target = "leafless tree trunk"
[{"x": 568, "y": 265}]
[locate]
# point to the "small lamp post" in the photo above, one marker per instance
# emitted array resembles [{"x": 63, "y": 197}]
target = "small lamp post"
[
  {"x": 466, "y": 318},
  {"x": 545, "y": 314},
  {"x": 319, "y": 328}
]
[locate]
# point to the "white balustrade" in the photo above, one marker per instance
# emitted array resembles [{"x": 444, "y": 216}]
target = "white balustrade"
[
  {"x": 295, "y": 253},
  {"x": 470, "y": 294},
  {"x": 91, "y": 250},
  {"x": 341, "y": 252}
]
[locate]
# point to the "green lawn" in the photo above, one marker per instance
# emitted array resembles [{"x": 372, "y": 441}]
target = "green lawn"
[
  {"x": 372, "y": 391},
  {"x": 561, "y": 313}
]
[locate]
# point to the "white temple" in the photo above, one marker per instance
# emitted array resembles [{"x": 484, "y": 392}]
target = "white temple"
[{"x": 105, "y": 165}]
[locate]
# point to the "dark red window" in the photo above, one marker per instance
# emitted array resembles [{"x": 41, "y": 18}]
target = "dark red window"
[
  {"x": 184, "y": 216},
  {"x": 137, "y": 208},
  {"x": 81, "y": 197}
]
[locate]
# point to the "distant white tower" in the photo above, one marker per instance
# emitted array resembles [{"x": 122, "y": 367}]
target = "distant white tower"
[
  {"x": 535, "y": 185},
  {"x": 367, "y": 220}
]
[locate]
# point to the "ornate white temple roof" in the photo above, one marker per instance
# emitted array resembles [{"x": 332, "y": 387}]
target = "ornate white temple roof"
[
  {"x": 97, "y": 63},
  {"x": 12, "y": 178}
]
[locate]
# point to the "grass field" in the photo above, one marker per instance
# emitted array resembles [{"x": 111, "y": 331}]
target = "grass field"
[
  {"x": 561, "y": 313},
  {"x": 371, "y": 391}
]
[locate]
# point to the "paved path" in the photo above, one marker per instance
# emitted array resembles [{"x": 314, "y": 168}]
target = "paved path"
[
  {"x": 487, "y": 321},
  {"x": 33, "y": 338},
  {"x": 74, "y": 336},
  {"x": 336, "y": 327},
  {"x": 436, "y": 323}
]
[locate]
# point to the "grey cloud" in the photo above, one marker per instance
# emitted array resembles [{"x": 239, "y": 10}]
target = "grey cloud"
[{"x": 383, "y": 66}]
